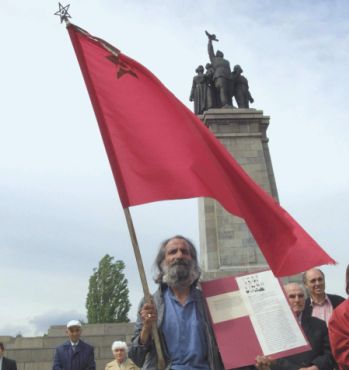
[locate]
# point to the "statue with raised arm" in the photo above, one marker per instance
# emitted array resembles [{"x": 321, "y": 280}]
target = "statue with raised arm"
[
  {"x": 222, "y": 77},
  {"x": 241, "y": 90}
]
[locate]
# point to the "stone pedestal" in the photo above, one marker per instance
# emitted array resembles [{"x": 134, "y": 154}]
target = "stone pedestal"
[{"x": 227, "y": 246}]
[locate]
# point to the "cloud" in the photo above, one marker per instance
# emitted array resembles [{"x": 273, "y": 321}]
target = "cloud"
[
  {"x": 42, "y": 322},
  {"x": 38, "y": 325},
  {"x": 59, "y": 208},
  {"x": 16, "y": 328}
]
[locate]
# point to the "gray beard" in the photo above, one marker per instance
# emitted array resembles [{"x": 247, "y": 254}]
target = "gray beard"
[{"x": 181, "y": 274}]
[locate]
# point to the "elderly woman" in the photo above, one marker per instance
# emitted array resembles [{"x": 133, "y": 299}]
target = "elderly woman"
[
  {"x": 121, "y": 361},
  {"x": 338, "y": 328}
]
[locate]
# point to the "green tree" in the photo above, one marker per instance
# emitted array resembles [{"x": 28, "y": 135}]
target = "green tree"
[{"x": 107, "y": 298}]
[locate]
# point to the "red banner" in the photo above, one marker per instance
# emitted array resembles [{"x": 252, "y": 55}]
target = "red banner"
[{"x": 159, "y": 150}]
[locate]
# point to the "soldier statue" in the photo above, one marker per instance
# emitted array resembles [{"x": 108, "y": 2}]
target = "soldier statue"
[
  {"x": 198, "y": 93},
  {"x": 222, "y": 73},
  {"x": 216, "y": 87},
  {"x": 241, "y": 90}
]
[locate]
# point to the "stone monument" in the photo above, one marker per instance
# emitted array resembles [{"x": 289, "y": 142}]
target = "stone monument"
[{"x": 227, "y": 246}]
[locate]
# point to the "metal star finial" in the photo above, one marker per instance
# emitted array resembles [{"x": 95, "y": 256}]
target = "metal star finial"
[{"x": 63, "y": 12}]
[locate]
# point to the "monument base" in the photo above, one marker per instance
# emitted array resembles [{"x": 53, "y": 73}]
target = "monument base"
[{"x": 227, "y": 246}]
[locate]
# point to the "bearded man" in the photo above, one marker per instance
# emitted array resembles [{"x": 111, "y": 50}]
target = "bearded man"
[{"x": 179, "y": 310}]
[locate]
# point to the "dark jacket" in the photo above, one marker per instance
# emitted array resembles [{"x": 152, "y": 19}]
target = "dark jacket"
[
  {"x": 145, "y": 355},
  {"x": 8, "y": 364},
  {"x": 320, "y": 354},
  {"x": 334, "y": 299},
  {"x": 81, "y": 359}
]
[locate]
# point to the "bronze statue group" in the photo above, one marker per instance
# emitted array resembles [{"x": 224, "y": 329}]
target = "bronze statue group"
[{"x": 218, "y": 85}]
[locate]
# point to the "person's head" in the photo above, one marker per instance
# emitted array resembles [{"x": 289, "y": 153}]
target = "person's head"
[
  {"x": 347, "y": 280},
  {"x": 74, "y": 330},
  {"x": 219, "y": 54},
  {"x": 314, "y": 281},
  {"x": 177, "y": 263},
  {"x": 2, "y": 349},
  {"x": 199, "y": 69},
  {"x": 296, "y": 297},
  {"x": 119, "y": 350},
  {"x": 237, "y": 69},
  {"x": 208, "y": 65}
]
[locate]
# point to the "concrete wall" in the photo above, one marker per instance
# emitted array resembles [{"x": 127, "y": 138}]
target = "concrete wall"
[{"x": 36, "y": 353}]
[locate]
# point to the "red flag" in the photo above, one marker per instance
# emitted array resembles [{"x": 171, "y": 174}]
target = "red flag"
[{"x": 159, "y": 150}]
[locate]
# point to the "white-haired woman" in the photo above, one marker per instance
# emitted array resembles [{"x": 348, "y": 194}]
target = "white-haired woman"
[{"x": 121, "y": 362}]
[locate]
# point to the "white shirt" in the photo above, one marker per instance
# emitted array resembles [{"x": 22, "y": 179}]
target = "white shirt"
[
  {"x": 322, "y": 311},
  {"x": 74, "y": 345},
  {"x": 1, "y": 363}
]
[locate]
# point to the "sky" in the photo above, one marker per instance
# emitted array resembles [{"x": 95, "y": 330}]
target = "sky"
[{"x": 59, "y": 209}]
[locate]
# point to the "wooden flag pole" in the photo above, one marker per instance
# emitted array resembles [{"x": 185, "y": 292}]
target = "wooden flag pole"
[{"x": 147, "y": 296}]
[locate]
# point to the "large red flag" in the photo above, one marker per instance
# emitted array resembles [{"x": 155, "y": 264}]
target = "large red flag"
[{"x": 159, "y": 150}]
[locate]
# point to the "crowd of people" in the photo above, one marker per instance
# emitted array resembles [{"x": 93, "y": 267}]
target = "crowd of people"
[{"x": 185, "y": 333}]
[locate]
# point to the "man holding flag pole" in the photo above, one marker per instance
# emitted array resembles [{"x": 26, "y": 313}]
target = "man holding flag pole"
[
  {"x": 162, "y": 151},
  {"x": 179, "y": 311}
]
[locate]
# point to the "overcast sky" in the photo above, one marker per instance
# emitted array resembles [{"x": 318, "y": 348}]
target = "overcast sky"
[{"x": 59, "y": 209}]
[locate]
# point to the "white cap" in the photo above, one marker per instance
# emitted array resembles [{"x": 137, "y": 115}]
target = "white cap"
[
  {"x": 73, "y": 323},
  {"x": 118, "y": 344}
]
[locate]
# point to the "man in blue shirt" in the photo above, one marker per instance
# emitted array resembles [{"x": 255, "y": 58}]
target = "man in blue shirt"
[{"x": 178, "y": 308}]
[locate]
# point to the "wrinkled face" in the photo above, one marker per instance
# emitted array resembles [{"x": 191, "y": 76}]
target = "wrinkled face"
[
  {"x": 315, "y": 282},
  {"x": 176, "y": 250},
  {"x": 296, "y": 298},
  {"x": 74, "y": 333},
  {"x": 120, "y": 355},
  {"x": 179, "y": 268}
]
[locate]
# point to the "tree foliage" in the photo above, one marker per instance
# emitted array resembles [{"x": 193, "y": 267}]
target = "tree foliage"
[{"x": 107, "y": 298}]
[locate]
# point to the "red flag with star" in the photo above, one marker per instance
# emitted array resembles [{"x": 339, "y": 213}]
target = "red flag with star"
[{"x": 159, "y": 150}]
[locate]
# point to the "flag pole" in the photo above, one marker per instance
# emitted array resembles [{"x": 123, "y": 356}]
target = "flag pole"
[
  {"x": 64, "y": 16},
  {"x": 147, "y": 296}
]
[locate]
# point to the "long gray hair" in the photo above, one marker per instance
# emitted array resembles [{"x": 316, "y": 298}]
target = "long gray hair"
[{"x": 159, "y": 272}]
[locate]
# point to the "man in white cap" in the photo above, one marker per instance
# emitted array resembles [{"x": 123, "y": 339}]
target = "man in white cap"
[
  {"x": 74, "y": 354},
  {"x": 121, "y": 361}
]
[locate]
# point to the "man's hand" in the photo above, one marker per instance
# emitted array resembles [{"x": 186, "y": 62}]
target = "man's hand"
[
  {"x": 211, "y": 37},
  {"x": 149, "y": 315},
  {"x": 264, "y": 362}
]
